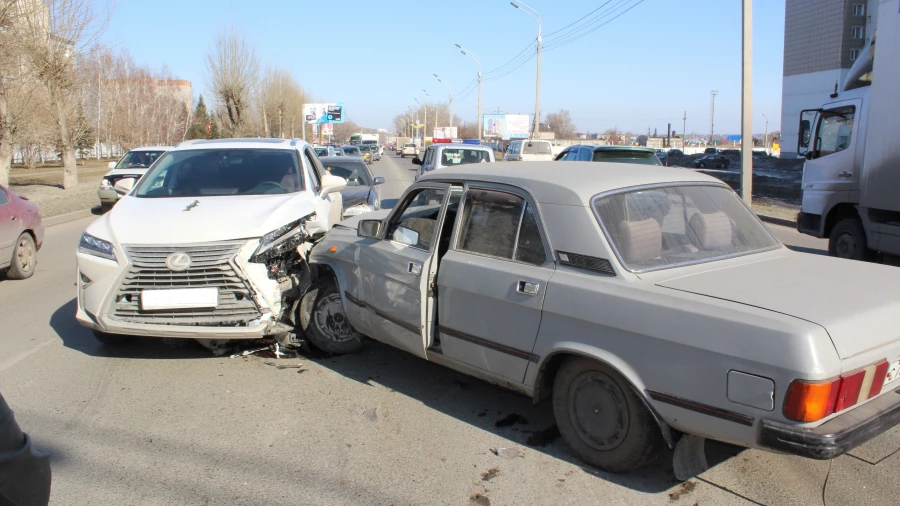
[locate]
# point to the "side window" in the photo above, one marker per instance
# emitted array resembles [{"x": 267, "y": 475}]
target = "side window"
[
  {"x": 315, "y": 170},
  {"x": 562, "y": 156},
  {"x": 835, "y": 131},
  {"x": 417, "y": 222},
  {"x": 429, "y": 155},
  {"x": 586, "y": 155},
  {"x": 490, "y": 222},
  {"x": 4, "y": 198},
  {"x": 572, "y": 156},
  {"x": 530, "y": 247}
]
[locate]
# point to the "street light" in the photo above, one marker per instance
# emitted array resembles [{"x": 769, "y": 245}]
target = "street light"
[
  {"x": 436, "y": 114},
  {"x": 451, "y": 97},
  {"x": 472, "y": 55},
  {"x": 537, "y": 90},
  {"x": 425, "y": 121}
]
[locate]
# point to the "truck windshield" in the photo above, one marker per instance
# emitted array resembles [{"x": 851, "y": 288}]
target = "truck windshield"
[
  {"x": 211, "y": 172},
  {"x": 536, "y": 148},
  {"x": 663, "y": 227}
]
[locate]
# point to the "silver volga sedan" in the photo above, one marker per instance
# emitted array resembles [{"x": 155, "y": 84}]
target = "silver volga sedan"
[{"x": 651, "y": 306}]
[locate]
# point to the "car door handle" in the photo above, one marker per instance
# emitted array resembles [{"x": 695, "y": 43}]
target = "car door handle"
[
  {"x": 414, "y": 268},
  {"x": 528, "y": 288},
  {"x": 845, "y": 175}
]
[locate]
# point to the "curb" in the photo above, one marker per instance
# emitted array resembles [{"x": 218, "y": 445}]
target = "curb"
[
  {"x": 778, "y": 221},
  {"x": 59, "y": 219}
]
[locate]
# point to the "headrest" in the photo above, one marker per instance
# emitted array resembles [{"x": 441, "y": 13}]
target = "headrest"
[
  {"x": 640, "y": 240},
  {"x": 710, "y": 231}
]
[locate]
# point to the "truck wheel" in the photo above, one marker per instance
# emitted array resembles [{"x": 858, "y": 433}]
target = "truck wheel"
[
  {"x": 111, "y": 339},
  {"x": 325, "y": 323},
  {"x": 848, "y": 240},
  {"x": 601, "y": 418},
  {"x": 24, "y": 258}
]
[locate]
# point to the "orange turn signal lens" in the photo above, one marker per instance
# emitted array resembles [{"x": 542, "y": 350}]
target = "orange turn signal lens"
[
  {"x": 809, "y": 402},
  {"x": 333, "y": 249}
]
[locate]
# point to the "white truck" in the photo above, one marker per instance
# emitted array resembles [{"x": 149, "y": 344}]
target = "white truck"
[{"x": 851, "y": 178}]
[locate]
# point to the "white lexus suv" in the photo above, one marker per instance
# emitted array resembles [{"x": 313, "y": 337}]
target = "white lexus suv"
[{"x": 210, "y": 244}]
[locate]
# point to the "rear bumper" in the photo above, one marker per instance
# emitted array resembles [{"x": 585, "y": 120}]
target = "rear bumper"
[{"x": 836, "y": 436}]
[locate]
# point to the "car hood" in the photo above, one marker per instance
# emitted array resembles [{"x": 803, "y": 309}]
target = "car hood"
[
  {"x": 167, "y": 221},
  {"x": 353, "y": 195},
  {"x": 136, "y": 171},
  {"x": 858, "y": 304}
]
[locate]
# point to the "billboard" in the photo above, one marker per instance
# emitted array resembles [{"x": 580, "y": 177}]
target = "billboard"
[
  {"x": 506, "y": 126},
  {"x": 445, "y": 133},
  {"x": 323, "y": 113}
]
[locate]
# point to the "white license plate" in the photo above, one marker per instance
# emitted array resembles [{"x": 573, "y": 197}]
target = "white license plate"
[
  {"x": 893, "y": 372},
  {"x": 185, "y": 298}
]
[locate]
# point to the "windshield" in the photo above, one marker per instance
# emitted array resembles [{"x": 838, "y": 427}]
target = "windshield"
[
  {"x": 351, "y": 150},
  {"x": 461, "y": 156},
  {"x": 536, "y": 148},
  {"x": 321, "y": 151},
  {"x": 138, "y": 159},
  {"x": 626, "y": 156},
  {"x": 209, "y": 172},
  {"x": 664, "y": 227},
  {"x": 365, "y": 147},
  {"x": 354, "y": 171}
]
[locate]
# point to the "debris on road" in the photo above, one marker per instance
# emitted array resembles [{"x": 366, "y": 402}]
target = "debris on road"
[
  {"x": 510, "y": 420},
  {"x": 685, "y": 489},
  {"x": 479, "y": 500},
  {"x": 375, "y": 414},
  {"x": 299, "y": 367},
  {"x": 490, "y": 474},
  {"x": 508, "y": 453}
]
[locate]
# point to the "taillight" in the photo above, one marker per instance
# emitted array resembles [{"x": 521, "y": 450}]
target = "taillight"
[{"x": 808, "y": 401}]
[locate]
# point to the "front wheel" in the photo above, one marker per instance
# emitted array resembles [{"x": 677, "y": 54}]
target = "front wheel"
[
  {"x": 325, "y": 323},
  {"x": 848, "y": 240},
  {"x": 24, "y": 258},
  {"x": 702, "y": 165},
  {"x": 602, "y": 419}
]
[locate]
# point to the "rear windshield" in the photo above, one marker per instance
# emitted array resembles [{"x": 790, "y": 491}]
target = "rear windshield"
[
  {"x": 626, "y": 156},
  {"x": 536, "y": 148},
  {"x": 138, "y": 159},
  {"x": 210, "y": 172},
  {"x": 658, "y": 228},
  {"x": 321, "y": 151},
  {"x": 351, "y": 150},
  {"x": 461, "y": 156},
  {"x": 354, "y": 171}
]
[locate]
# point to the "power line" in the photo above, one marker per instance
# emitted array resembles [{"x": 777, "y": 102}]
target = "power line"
[
  {"x": 551, "y": 34},
  {"x": 573, "y": 37}
]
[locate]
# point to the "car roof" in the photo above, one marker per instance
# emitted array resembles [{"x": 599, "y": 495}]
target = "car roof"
[
  {"x": 241, "y": 144},
  {"x": 622, "y": 148},
  {"x": 462, "y": 145},
  {"x": 341, "y": 159},
  {"x": 151, "y": 148},
  {"x": 570, "y": 183}
]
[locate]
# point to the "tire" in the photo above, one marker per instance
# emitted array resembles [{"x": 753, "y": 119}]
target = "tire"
[
  {"x": 24, "y": 258},
  {"x": 324, "y": 322},
  {"x": 702, "y": 165},
  {"x": 848, "y": 240},
  {"x": 601, "y": 418},
  {"x": 110, "y": 339}
]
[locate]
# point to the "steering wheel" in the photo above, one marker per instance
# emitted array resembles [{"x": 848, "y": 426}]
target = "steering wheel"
[{"x": 265, "y": 184}]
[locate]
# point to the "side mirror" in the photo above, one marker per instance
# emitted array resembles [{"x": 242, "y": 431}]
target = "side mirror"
[
  {"x": 369, "y": 229},
  {"x": 379, "y": 180},
  {"x": 111, "y": 165},
  {"x": 416, "y": 161},
  {"x": 124, "y": 186},
  {"x": 332, "y": 184}
]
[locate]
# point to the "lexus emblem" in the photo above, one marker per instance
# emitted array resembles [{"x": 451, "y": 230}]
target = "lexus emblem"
[{"x": 178, "y": 261}]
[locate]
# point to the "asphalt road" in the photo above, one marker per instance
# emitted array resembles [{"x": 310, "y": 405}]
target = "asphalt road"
[{"x": 148, "y": 424}]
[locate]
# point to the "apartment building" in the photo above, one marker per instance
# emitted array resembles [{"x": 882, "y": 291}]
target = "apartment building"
[{"x": 822, "y": 39}]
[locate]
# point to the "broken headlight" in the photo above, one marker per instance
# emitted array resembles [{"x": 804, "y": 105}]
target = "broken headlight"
[
  {"x": 358, "y": 209},
  {"x": 280, "y": 240},
  {"x": 91, "y": 245}
]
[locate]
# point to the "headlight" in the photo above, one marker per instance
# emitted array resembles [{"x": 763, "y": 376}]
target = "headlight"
[
  {"x": 105, "y": 183},
  {"x": 280, "y": 240},
  {"x": 91, "y": 245},
  {"x": 358, "y": 209}
]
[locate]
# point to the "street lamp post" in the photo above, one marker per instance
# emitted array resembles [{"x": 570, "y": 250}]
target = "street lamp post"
[
  {"x": 436, "y": 112},
  {"x": 424, "y": 122},
  {"x": 537, "y": 90},
  {"x": 479, "y": 121},
  {"x": 766, "y": 138},
  {"x": 451, "y": 97}
]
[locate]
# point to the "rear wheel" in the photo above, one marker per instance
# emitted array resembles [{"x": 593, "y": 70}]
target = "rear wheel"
[
  {"x": 702, "y": 165},
  {"x": 848, "y": 240},
  {"x": 24, "y": 258},
  {"x": 325, "y": 323},
  {"x": 602, "y": 419}
]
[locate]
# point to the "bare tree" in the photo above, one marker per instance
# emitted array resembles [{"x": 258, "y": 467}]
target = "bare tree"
[
  {"x": 561, "y": 124},
  {"x": 232, "y": 70},
  {"x": 281, "y": 100}
]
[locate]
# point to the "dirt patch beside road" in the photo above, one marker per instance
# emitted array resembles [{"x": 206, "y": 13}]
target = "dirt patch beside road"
[{"x": 43, "y": 186}]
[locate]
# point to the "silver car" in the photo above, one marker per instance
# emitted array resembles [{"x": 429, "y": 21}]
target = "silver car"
[
  {"x": 130, "y": 167},
  {"x": 439, "y": 156},
  {"x": 651, "y": 306}
]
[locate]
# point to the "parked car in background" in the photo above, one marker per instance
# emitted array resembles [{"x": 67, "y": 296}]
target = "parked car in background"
[
  {"x": 362, "y": 194},
  {"x": 25, "y": 474},
  {"x": 663, "y": 156},
  {"x": 615, "y": 154},
  {"x": 438, "y": 156},
  {"x": 132, "y": 166},
  {"x": 409, "y": 149},
  {"x": 598, "y": 286},
  {"x": 325, "y": 151},
  {"x": 711, "y": 151},
  {"x": 209, "y": 244},
  {"x": 675, "y": 152},
  {"x": 351, "y": 151},
  {"x": 713, "y": 161},
  {"x": 529, "y": 151},
  {"x": 21, "y": 235},
  {"x": 730, "y": 152}
]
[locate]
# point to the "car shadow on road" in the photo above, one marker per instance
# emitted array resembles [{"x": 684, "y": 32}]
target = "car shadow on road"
[
  {"x": 79, "y": 338},
  {"x": 513, "y": 418}
]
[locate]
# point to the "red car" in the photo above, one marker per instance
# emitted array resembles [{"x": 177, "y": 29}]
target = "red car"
[{"x": 21, "y": 235}]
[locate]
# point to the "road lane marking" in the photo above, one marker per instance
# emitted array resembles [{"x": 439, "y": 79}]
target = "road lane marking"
[{"x": 6, "y": 364}]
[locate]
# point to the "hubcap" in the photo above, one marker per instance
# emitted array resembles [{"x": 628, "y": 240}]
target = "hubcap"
[
  {"x": 331, "y": 320},
  {"x": 25, "y": 255},
  {"x": 846, "y": 246},
  {"x": 598, "y": 411}
]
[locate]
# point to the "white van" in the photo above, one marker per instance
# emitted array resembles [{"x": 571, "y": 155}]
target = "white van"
[{"x": 529, "y": 151}]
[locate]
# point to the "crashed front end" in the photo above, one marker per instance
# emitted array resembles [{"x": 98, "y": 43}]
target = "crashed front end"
[{"x": 222, "y": 290}]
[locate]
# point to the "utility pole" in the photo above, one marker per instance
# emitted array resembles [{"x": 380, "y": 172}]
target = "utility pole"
[
  {"x": 537, "y": 89},
  {"x": 451, "y": 98},
  {"x": 424, "y": 123},
  {"x": 747, "y": 104},
  {"x": 479, "y": 122},
  {"x": 712, "y": 113},
  {"x": 684, "y": 132},
  {"x": 766, "y": 138}
]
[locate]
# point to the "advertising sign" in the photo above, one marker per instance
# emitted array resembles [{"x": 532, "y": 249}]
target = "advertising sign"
[
  {"x": 506, "y": 126},
  {"x": 328, "y": 129},
  {"x": 323, "y": 113},
  {"x": 446, "y": 132}
]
